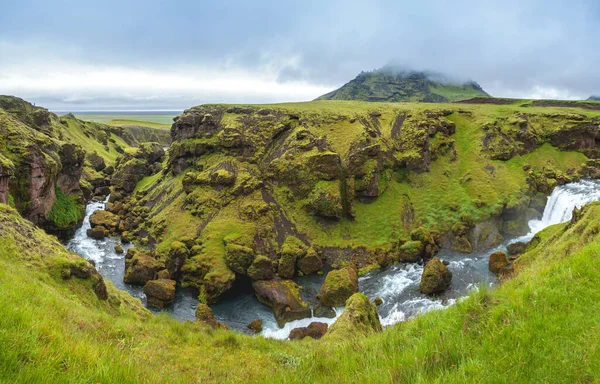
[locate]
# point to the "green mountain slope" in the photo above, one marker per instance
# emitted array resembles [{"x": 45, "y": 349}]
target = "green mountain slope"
[{"x": 394, "y": 86}]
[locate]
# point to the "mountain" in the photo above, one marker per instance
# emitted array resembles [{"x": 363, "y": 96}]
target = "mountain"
[
  {"x": 594, "y": 98},
  {"x": 393, "y": 86}
]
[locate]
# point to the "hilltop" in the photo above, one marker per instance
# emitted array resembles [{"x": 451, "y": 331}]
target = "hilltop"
[
  {"x": 594, "y": 98},
  {"x": 389, "y": 85}
]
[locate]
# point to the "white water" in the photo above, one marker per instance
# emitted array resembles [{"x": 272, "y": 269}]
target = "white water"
[
  {"x": 397, "y": 286},
  {"x": 562, "y": 201}
]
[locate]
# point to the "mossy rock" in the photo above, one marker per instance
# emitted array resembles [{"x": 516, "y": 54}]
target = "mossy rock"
[
  {"x": 176, "y": 257},
  {"x": 325, "y": 200},
  {"x": 517, "y": 248},
  {"x": 160, "y": 293},
  {"x": 204, "y": 315},
  {"x": 283, "y": 296},
  {"x": 239, "y": 258},
  {"x": 140, "y": 267},
  {"x": 411, "y": 251},
  {"x": 98, "y": 232},
  {"x": 256, "y": 326},
  {"x": 106, "y": 219},
  {"x": 436, "y": 277},
  {"x": 262, "y": 268},
  {"x": 222, "y": 177},
  {"x": 310, "y": 262},
  {"x": 360, "y": 318},
  {"x": 462, "y": 244},
  {"x": 497, "y": 262},
  {"x": 338, "y": 286}
]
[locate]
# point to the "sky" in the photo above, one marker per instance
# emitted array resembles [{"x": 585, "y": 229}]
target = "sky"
[{"x": 151, "y": 54}]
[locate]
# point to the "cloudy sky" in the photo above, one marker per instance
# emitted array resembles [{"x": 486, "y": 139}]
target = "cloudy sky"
[{"x": 137, "y": 54}]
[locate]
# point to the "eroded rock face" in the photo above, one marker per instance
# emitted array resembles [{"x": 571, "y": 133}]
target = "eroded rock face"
[
  {"x": 338, "y": 286},
  {"x": 436, "y": 277},
  {"x": 283, "y": 296},
  {"x": 134, "y": 166},
  {"x": 360, "y": 318},
  {"x": 160, "y": 293}
]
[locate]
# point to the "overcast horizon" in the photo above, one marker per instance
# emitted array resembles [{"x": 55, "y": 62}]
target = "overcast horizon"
[{"x": 79, "y": 55}]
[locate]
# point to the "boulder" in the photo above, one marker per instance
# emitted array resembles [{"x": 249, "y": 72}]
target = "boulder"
[
  {"x": 160, "y": 293},
  {"x": 262, "y": 268},
  {"x": 291, "y": 250},
  {"x": 176, "y": 257},
  {"x": 239, "y": 257},
  {"x": 118, "y": 249},
  {"x": 411, "y": 251},
  {"x": 436, "y": 277},
  {"x": 283, "y": 296},
  {"x": 98, "y": 232},
  {"x": 498, "y": 261},
  {"x": 256, "y": 325},
  {"x": 360, "y": 317},
  {"x": 516, "y": 248},
  {"x": 205, "y": 316},
  {"x": 96, "y": 161},
  {"x": 315, "y": 330},
  {"x": 163, "y": 274},
  {"x": 106, "y": 219},
  {"x": 140, "y": 267},
  {"x": 338, "y": 286},
  {"x": 310, "y": 262},
  {"x": 323, "y": 311}
]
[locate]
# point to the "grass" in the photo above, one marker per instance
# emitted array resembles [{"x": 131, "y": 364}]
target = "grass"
[
  {"x": 162, "y": 119},
  {"x": 141, "y": 123},
  {"x": 540, "y": 326}
]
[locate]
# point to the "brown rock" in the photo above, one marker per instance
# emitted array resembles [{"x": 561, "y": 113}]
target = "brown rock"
[
  {"x": 283, "y": 296},
  {"x": 436, "y": 277},
  {"x": 315, "y": 330},
  {"x": 256, "y": 325},
  {"x": 160, "y": 293},
  {"x": 498, "y": 261}
]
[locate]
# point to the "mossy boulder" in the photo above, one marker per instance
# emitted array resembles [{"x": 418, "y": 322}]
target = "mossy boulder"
[
  {"x": 204, "y": 315},
  {"x": 436, "y": 277},
  {"x": 325, "y": 200},
  {"x": 262, "y": 268},
  {"x": 98, "y": 232},
  {"x": 411, "y": 251},
  {"x": 106, "y": 219},
  {"x": 291, "y": 250},
  {"x": 517, "y": 248},
  {"x": 256, "y": 326},
  {"x": 96, "y": 161},
  {"x": 360, "y": 318},
  {"x": 310, "y": 262},
  {"x": 314, "y": 330},
  {"x": 118, "y": 249},
  {"x": 140, "y": 267},
  {"x": 160, "y": 293},
  {"x": 497, "y": 262},
  {"x": 239, "y": 257},
  {"x": 338, "y": 286},
  {"x": 462, "y": 244},
  {"x": 178, "y": 253},
  {"x": 283, "y": 296},
  {"x": 222, "y": 177}
]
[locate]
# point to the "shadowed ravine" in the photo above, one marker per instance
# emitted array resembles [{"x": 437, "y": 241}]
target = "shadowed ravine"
[{"x": 397, "y": 285}]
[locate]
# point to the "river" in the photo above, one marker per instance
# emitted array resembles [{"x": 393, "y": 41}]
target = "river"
[{"x": 397, "y": 285}]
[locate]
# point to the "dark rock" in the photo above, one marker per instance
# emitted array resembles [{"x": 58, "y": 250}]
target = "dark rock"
[
  {"x": 256, "y": 325},
  {"x": 160, "y": 293},
  {"x": 436, "y": 277},
  {"x": 498, "y": 261},
  {"x": 315, "y": 330},
  {"x": 98, "y": 232},
  {"x": 140, "y": 267},
  {"x": 323, "y": 311},
  {"x": 205, "y": 315},
  {"x": 516, "y": 248},
  {"x": 310, "y": 263},
  {"x": 262, "y": 268},
  {"x": 283, "y": 296}
]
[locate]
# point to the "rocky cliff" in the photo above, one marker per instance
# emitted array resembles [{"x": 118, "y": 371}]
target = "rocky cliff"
[{"x": 264, "y": 192}]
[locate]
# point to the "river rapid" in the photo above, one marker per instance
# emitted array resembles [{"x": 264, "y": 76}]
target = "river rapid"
[{"x": 396, "y": 285}]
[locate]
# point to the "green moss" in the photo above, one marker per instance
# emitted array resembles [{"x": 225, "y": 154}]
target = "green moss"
[{"x": 67, "y": 211}]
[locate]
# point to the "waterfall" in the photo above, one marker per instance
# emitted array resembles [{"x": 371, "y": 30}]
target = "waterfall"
[{"x": 561, "y": 203}]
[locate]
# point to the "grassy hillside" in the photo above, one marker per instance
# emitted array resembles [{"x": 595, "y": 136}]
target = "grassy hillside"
[
  {"x": 394, "y": 86},
  {"x": 147, "y": 119},
  {"x": 539, "y": 326},
  {"x": 135, "y": 123}
]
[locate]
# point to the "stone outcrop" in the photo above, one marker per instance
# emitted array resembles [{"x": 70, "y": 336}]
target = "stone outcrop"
[
  {"x": 436, "y": 277},
  {"x": 160, "y": 293},
  {"x": 338, "y": 286},
  {"x": 140, "y": 267},
  {"x": 314, "y": 330},
  {"x": 283, "y": 296},
  {"x": 359, "y": 318}
]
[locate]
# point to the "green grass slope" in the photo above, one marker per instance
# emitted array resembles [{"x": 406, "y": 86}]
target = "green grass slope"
[
  {"x": 393, "y": 86},
  {"x": 540, "y": 326}
]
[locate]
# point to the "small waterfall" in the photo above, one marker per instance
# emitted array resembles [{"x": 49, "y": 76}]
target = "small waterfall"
[{"x": 561, "y": 203}]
